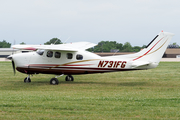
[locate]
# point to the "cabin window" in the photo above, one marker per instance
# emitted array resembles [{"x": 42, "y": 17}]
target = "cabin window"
[
  {"x": 69, "y": 55},
  {"x": 57, "y": 54},
  {"x": 40, "y": 52},
  {"x": 49, "y": 53},
  {"x": 79, "y": 57}
]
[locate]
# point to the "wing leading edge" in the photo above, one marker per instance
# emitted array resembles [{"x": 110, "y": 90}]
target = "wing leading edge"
[{"x": 61, "y": 47}]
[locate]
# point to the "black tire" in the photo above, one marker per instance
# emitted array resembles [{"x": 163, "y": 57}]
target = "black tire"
[
  {"x": 27, "y": 80},
  {"x": 69, "y": 78},
  {"x": 54, "y": 81}
]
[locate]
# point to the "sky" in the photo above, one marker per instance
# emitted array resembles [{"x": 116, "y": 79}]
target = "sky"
[{"x": 134, "y": 21}]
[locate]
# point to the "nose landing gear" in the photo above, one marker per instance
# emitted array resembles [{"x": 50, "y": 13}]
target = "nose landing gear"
[{"x": 27, "y": 79}]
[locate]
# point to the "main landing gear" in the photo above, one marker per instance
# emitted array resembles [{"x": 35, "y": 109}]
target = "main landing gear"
[
  {"x": 69, "y": 78},
  {"x": 54, "y": 81}
]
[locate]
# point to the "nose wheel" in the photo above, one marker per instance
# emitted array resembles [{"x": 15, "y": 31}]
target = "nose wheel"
[{"x": 27, "y": 79}]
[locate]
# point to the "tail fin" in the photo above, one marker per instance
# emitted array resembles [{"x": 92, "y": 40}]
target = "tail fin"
[{"x": 155, "y": 49}]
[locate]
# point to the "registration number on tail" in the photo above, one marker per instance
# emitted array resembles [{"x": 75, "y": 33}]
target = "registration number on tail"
[{"x": 112, "y": 64}]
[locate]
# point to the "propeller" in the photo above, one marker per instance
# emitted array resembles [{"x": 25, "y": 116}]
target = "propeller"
[
  {"x": 11, "y": 58},
  {"x": 13, "y": 64}
]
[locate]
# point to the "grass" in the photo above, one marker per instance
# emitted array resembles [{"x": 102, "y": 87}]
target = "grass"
[{"x": 148, "y": 94}]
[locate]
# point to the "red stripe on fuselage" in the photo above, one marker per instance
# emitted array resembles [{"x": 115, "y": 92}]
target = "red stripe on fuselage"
[{"x": 79, "y": 65}]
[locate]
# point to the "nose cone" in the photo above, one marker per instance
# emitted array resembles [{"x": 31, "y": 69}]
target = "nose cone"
[
  {"x": 9, "y": 57},
  {"x": 21, "y": 59}
]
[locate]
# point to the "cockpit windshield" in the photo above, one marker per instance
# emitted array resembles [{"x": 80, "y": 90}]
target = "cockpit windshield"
[{"x": 40, "y": 52}]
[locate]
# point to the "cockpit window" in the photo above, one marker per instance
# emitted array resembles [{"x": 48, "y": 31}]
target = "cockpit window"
[
  {"x": 40, "y": 52},
  {"x": 57, "y": 54},
  {"x": 49, "y": 53}
]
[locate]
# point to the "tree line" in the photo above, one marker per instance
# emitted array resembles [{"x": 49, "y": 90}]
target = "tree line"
[
  {"x": 108, "y": 46},
  {"x": 103, "y": 46},
  {"x": 4, "y": 44}
]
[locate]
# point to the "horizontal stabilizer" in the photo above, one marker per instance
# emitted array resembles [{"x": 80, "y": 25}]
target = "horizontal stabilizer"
[{"x": 135, "y": 64}]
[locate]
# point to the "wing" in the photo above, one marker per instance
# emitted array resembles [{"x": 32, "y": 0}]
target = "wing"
[
  {"x": 81, "y": 45},
  {"x": 62, "y": 47}
]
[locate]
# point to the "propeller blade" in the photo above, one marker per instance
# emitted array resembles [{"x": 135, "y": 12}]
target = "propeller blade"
[{"x": 13, "y": 67}]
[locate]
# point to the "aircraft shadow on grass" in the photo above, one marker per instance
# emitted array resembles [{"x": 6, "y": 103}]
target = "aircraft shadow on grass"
[
  {"x": 18, "y": 84},
  {"x": 109, "y": 83}
]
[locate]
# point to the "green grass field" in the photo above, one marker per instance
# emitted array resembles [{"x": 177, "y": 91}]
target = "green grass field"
[{"x": 148, "y": 94}]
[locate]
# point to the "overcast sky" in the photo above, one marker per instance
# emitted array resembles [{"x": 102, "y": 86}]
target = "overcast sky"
[{"x": 134, "y": 21}]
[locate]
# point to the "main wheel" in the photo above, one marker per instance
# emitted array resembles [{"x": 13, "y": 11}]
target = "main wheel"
[
  {"x": 54, "y": 81},
  {"x": 27, "y": 80},
  {"x": 69, "y": 78}
]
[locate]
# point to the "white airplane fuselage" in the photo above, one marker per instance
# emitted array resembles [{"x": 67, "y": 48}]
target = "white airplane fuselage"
[{"x": 34, "y": 63}]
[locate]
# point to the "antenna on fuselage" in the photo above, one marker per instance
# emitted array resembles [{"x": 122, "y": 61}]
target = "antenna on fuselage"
[
  {"x": 67, "y": 39},
  {"x": 55, "y": 42}
]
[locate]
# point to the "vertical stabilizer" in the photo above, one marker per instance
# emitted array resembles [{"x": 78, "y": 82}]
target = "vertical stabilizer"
[{"x": 155, "y": 49}]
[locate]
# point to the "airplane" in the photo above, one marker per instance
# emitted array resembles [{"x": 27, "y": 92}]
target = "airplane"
[{"x": 73, "y": 59}]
